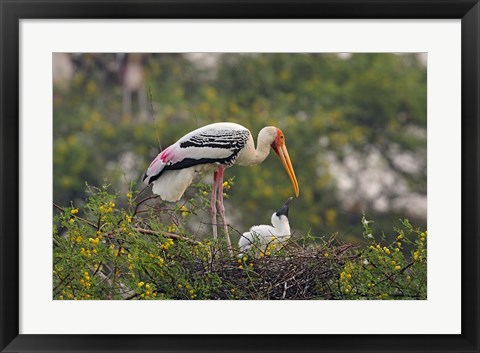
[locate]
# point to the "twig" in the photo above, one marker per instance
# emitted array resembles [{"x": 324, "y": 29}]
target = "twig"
[
  {"x": 141, "y": 202},
  {"x": 165, "y": 234},
  {"x": 80, "y": 218},
  {"x": 98, "y": 268},
  {"x": 407, "y": 266}
]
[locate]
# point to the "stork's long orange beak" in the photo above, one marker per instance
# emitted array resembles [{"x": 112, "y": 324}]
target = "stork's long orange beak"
[{"x": 281, "y": 150}]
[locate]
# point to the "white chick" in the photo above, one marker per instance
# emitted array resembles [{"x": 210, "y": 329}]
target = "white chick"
[{"x": 262, "y": 236}]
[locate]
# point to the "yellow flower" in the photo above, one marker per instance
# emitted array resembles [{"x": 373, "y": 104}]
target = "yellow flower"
[
  {"x": 111, "y": 204},
  {"x": 74, "y": 211},
  {"x": 415, "y": 255},
  {"x": 147, "y": 286},
  {"x": 240, "y": 267},
  {"x": 398, "y": 267},
  {"x": 349, "y": 275},
  {"x": 244, "y": 258},
  {"x": 393, "y": 262},
  {"x": 140, "y": 284},
  {"x": 326, "y": 254},
  {"x": 72, "y": 220},
  {"x": 129, "y": 195}
]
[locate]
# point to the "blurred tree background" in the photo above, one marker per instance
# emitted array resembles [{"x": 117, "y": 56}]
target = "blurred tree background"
[{"x": 355, "y": 127}]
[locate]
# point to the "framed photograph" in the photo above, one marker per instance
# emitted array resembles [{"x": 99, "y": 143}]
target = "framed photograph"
[{"x": 142, "y": 210}]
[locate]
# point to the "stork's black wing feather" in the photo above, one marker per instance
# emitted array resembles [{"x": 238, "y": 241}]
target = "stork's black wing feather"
[{"x": 234, "y": 140}]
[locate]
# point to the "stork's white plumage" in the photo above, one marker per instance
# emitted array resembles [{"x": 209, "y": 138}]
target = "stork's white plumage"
[
  {"x": 218, "y": 145},
  {"x": 261, "y": 237}
]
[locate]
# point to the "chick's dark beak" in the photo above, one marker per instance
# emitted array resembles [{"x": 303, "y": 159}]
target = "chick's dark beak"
[{"x": 284, "y": 210}]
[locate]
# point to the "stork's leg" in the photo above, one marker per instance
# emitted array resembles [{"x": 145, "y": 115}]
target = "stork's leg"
[
  {"x": 213, "y": 207},
  {"x": 221, "y": 208}
]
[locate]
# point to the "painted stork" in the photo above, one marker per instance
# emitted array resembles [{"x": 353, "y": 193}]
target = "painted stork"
[
  {"x": 219, "y": 146},
  {"x": 261, "y": 237}
]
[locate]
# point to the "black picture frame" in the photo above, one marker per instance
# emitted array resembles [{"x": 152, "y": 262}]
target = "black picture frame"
[{"x": 13, "y": 11}]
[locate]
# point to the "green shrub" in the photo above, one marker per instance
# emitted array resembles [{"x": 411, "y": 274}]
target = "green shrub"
[
  {"x": 386, "y": 270},
  {"x": 146, "y": 251}
]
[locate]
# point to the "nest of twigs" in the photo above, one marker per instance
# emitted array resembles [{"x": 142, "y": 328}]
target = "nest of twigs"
[{"x": 296, "y": 272}]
